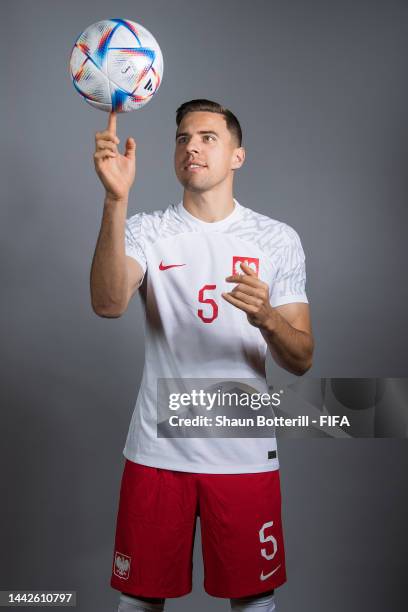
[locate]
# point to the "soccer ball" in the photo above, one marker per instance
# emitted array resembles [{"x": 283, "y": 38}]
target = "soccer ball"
[{"x": 116, "y": 64}]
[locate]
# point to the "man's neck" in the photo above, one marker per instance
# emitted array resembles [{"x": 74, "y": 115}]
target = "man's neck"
[{"x": 209, "y": 206}]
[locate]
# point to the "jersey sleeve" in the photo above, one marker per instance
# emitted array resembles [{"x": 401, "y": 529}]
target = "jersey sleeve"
[
  {"x": 289, "y": 285},
  {"x": 134, "y": 240}
]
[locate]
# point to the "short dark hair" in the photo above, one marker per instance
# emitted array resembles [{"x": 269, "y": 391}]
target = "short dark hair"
[{"x": 212, "y": 107}]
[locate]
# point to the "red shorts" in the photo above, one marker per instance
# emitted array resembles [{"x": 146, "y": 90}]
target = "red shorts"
[{"x": 241, "y": 532}]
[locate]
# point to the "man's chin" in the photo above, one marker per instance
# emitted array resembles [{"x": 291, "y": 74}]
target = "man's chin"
[{"x": 195, "y": 186}]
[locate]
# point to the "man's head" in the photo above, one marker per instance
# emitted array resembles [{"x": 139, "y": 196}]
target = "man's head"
[{"x": 208, "y": 135}]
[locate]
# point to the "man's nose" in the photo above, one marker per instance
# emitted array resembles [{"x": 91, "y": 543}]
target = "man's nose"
[{"x": 193, "y": 146}]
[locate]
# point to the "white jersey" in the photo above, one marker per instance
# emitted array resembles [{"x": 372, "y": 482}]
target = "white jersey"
[{"x": 192, "y": 332}]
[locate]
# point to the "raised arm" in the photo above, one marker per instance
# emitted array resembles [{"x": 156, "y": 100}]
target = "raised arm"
[{"x": 114, "y": 276}]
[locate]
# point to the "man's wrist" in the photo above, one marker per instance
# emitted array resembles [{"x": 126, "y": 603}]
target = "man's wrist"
[
  {"x": 111, "y": 200},
  {"x": 269, "y": 324}
]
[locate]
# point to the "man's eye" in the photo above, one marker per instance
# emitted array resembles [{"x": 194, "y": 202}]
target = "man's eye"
[
  {"x": 209, "y": 136},
  {"x": 181, "y": 139}
]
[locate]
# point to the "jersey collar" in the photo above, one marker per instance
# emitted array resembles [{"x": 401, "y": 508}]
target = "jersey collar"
[{"x": 207, "y": 225}]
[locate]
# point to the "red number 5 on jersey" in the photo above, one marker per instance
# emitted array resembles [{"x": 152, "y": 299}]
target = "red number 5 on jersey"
[{"x": 214, "y": 314}]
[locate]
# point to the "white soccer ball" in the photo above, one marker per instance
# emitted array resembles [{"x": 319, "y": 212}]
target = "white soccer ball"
[{"x": 116, "y": 64}]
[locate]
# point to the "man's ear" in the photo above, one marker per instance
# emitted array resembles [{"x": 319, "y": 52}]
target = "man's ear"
[{"x": 238, "y": 158}]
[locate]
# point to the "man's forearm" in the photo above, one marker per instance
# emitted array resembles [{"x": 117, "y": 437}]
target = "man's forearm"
[
  {"x": 291, "y": 348},
  {"x": 108, "y": 280}
]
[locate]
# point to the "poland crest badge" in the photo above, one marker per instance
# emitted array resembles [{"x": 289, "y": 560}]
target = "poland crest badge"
[{"x": 121, "y": 567}]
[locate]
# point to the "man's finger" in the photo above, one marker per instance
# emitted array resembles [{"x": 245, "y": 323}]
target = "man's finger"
[
  {"x": 247, "y": 269},
  {"x": 112, "y": 123},
  {"x": 239, "y": 304},
  {"x": 245, "y": 279},
  {"x": 246, "y": 298},
  {"x": 256, "y": 292}
]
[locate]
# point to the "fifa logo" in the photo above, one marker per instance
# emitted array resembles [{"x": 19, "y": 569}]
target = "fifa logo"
[{"x": 252, "y": 262}]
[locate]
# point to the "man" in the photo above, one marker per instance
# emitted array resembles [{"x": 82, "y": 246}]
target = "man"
[{"x": 221, "y": 285}]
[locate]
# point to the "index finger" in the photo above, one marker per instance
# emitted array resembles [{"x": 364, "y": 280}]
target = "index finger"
[
  {"x": 112, "y": 123},
  {"x": 245, "y": 279}
]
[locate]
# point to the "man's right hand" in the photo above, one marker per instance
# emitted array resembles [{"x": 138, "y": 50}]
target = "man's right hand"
[{"x": 117, "y": 172}]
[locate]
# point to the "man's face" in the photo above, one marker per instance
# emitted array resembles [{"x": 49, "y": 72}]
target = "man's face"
[{"x": 206, "y": 152}]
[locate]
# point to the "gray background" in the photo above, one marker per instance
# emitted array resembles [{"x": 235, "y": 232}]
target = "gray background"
[{"x": 321, "y": 91}]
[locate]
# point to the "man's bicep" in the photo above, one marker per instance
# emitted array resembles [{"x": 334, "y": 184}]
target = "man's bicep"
[
  {"x": 135, "y": 275},
  {"x": 297, "y": 315}
]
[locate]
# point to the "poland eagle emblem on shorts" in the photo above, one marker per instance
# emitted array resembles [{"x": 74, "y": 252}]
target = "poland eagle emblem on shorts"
[{"x": 122, "y": 566}]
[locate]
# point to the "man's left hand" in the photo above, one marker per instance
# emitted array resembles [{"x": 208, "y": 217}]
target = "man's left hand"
[{"x": 252, "y": 296}]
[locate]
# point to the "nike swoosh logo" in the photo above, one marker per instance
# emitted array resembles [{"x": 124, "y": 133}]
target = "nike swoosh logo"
[
  {"x": 163, "y": 267},
  {"x": 265, "y": 576}
]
